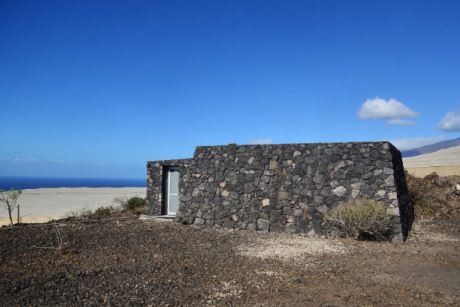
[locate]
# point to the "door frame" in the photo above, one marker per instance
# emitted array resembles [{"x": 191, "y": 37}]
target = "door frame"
[{"x": 169, "y": 169}]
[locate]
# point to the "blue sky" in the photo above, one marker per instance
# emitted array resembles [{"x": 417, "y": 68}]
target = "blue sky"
[{"x": 97, "y": 88}]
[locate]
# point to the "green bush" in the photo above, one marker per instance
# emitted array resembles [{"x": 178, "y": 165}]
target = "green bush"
[
  {"x": 361, "y": 219},
  {"x": 134, "y": 204}
]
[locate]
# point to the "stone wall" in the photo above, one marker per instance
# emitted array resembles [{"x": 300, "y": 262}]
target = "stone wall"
[{"x": 283, "y": 187}]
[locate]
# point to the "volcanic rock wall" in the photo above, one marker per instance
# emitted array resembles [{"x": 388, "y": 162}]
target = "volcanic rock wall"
[{"x": 285, "y": 187}]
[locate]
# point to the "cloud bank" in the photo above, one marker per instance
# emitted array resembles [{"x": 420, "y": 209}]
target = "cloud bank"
[
  {"x": 392, "y": 111},
  {"x": 450, "y": 122}
]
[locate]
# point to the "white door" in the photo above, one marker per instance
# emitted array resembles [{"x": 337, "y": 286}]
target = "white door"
[{"x": 173, "y": 191}]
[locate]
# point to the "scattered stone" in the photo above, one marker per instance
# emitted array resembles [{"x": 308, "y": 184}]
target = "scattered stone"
[
  {"x": 225, "y": 193},
  {"x": 322, "y": 209},
  {"x": 355, "y": 193},
  {"x": 340, "y": 191}
]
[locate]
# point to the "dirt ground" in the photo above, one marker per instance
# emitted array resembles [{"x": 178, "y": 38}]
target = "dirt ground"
[
  {"x": 441, "y": 170},
  {"x": 130, "y": 262}
]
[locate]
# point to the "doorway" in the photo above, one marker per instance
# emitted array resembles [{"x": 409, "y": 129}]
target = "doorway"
[{"x": 172, "y": 191}]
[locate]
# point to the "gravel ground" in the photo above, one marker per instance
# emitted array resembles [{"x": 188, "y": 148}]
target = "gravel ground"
[{"x": 126, "y": 261}]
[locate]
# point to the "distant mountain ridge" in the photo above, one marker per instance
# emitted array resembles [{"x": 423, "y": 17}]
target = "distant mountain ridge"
[{"x": 430, "y": 148}]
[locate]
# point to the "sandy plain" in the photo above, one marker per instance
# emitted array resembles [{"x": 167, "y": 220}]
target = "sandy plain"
[
  {"x": 41, "y": 205},
  {"x": 445, "y": 162}
]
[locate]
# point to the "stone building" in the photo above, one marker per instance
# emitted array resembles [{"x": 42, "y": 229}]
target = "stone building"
[{"x": 282, "y": 188}]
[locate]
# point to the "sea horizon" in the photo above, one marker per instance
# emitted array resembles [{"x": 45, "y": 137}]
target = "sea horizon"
[{"x": 23, "y": 182}]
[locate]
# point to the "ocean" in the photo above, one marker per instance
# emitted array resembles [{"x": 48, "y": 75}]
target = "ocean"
[{"x": 55, "y": 182}]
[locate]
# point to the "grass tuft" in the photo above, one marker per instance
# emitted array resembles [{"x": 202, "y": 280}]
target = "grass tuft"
[{"x": 361, "y": 219}]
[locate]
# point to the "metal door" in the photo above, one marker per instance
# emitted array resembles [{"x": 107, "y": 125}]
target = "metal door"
[{"x": 173, "y": 191}]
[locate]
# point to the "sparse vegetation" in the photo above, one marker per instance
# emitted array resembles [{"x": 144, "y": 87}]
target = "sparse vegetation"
[
  {"x": 100, "y": 212},
  {"x": 134, "y": 204},
  {"x": 9, "y": 200},
  {"x": 104, "y": 211},
  {"x": 79, "y": 213},
  {"x": 434, "y": 196},
  {"x": 362, "y": 219}
]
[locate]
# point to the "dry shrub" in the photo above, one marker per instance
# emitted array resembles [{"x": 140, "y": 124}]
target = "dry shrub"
[
  {"x": 134, "y": 204},
  {"x": 104, "y": 211},
  {"x": 83, "y": 212},
  {"x": 361, "y": 219},
  {"x": 434, "y": 196}
]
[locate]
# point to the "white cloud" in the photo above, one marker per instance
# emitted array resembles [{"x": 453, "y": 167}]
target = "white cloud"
[
  {"x": 411, "y": 143},
  {"x": 392, "y": 110},
  {"x": 450, "y": 122},
  {"x": 261, "y": 141}
]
